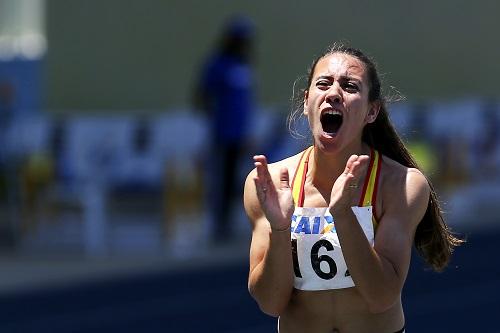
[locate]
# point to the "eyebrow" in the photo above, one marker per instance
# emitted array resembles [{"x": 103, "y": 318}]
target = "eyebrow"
[{"x": 342, "y": 77}]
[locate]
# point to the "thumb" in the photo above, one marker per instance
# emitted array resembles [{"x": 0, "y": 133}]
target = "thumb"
[{"x": 284, "y": 179}]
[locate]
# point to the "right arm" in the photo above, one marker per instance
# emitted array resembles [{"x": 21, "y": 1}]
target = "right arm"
[{"x": 269, "y": 209}]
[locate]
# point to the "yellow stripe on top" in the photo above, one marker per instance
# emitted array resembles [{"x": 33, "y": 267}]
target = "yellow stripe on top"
[
  {"x": 300, "y": 173},
  {"x": 370, "y": 187},
  {"x": 367, "y": 198}
]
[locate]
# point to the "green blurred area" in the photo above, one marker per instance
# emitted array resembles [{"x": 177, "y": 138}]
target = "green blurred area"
[
  {"x": 424, "y": 155},
  {"x": 145, "y": 55}
]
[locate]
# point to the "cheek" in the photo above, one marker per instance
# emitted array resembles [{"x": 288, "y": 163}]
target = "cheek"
[
  {"x": 358, "y": 109},
  {"x": 312, "y": 103},
  {"x": 310, "y": 115},
  {"x": 356, "y": 103}
]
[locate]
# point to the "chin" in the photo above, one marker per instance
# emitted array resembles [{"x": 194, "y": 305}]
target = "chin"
[{"x": 327, "y": 144}]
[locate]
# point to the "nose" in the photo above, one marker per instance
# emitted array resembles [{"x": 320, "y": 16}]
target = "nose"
[{"x": 334, "y": 94}]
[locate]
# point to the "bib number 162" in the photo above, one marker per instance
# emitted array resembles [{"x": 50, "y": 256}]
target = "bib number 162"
[{"x": 316, "y": 260}]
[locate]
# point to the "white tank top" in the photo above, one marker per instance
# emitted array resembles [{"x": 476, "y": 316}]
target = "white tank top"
[{"x": 317, "y": 253}]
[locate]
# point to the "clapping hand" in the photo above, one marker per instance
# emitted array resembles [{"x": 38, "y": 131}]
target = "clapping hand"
[{"x": 277, "y": 203}]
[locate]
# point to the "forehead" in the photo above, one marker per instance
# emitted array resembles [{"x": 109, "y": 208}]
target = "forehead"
[{"x": 339, "y": 64}]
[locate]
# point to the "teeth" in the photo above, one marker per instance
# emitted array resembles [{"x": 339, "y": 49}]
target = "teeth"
[{"x": 333, "y": 112}]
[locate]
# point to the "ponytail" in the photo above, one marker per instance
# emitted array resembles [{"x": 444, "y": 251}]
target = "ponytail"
[{"x": 434, "y": 240}]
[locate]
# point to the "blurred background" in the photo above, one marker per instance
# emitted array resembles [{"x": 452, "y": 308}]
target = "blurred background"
[{"x": 121, "y": 167}]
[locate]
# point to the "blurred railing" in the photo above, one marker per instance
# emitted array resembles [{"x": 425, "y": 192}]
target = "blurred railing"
[{"x": 101, "y": 185}]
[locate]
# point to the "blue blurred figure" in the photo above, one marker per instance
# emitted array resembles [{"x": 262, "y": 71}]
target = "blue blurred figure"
[{"x": 225, "y": 92}]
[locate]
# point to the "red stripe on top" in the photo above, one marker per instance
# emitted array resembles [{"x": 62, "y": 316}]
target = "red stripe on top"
[
  {"x": 303, "y": 180},
  {"x": 375, "y": 186},
  {"x": 298, "y": 167},
  {"x": 367, "y": 177}
]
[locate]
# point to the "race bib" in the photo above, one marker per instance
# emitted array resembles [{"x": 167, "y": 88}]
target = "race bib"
[{"x": 317, "y": 255}]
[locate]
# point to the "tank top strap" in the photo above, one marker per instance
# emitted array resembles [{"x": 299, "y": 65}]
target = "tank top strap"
[
  {"x": 369, "y": 192},
  {"x": 299, "y": 178}
]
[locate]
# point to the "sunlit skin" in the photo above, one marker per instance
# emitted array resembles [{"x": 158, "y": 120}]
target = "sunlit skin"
[{"x": 339, "y": 82}]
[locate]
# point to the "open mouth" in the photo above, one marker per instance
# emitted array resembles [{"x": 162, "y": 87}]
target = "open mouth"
[{"x": 331, "y": 121}]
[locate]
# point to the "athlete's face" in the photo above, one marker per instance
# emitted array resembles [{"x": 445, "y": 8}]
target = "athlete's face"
[{"x": 336, "y": 103}]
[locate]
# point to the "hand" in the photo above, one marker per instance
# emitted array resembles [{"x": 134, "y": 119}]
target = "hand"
[
  {"x": 277, "y": 203},
  {"x": 347, "y": 188}
]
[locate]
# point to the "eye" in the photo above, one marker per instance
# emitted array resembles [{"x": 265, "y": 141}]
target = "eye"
[
  {"x": 351, "y": 87},
  {"x": 322, "y": 84}
]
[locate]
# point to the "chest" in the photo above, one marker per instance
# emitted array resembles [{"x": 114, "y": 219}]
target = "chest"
[{"x": 314, "y": 197}]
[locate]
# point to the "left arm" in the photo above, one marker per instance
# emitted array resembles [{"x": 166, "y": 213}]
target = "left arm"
[{"x": 379, "y": 272}]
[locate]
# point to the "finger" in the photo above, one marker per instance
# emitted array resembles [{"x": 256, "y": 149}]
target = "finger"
[
  {"x": 259, "y": 158},
  {"x": 261, "y": 193},
  {"x": 284, "y": 178},
  {"x": 260, "y": 165},
  {"x": 260, "y": 180},
  {"x": 357, "y": 169},
  {"x": 259, "y": 161},
  {"x": 263, "y": 182},
  {"x": 359, "y": 166},
  {"x": 363, "y": 158},
  {"x": 262, "y": 168},
  {"x": 349, "y": 164}
]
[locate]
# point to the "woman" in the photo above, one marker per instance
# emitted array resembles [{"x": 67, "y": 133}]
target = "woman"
[{"x": 355, "y": 205}]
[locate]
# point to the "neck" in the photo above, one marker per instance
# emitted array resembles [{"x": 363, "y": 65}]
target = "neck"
[{"x": 327, "y": 167}]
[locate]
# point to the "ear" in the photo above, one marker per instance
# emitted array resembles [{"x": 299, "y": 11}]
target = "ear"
[
  {"x": 373, "y": 112},
  {"x": 306, "y": 97}
]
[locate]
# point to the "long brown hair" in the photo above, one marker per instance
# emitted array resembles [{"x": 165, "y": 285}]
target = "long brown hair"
[{"x": 433, "y": 240}]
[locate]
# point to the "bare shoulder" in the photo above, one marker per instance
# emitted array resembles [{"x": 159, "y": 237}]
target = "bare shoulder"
[
  {"x": 404, "y": 190},
  {"x": 290, "y": 163},
  {"x": 250, "y": 199},
  {"x": 401, "y": 177}
]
